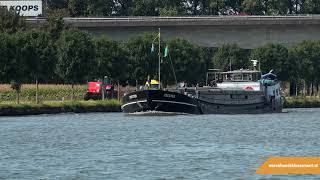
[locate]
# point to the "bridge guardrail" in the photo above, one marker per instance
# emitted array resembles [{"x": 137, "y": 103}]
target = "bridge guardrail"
[
  {"x": 156, "y": 18},
  {"x": 201, "y": 19}
]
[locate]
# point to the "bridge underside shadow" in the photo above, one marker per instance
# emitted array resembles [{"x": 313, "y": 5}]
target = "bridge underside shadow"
[{"x": 246, "y": 37}]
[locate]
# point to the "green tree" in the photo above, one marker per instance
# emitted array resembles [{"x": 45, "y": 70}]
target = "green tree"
[
  {"x": 100, "y": 7},
  {"x": 10, "y": 21},
  {"x": 78, "y": 7},
  {"x": 168, "y": 11},
  {"x": 213, "y": 7},
  {"x": 111, "y": 59},
  {"x": 12, "y": 65},
  {"x": 311, "y": 7},
  {"x": 75, "y": 56},
  {"x": 182, "y": 7},
  {"x": 299, "y": 6},
  {"x": 307, "y": 54},
  {"x": 281, "y": 7},
  {"x": 285, "y": 63},
  {"x": 16, "y": 86},
  {"x": 188, "y": 63},
  {"x": 254, "y": 7},
  {"x": 273, "y": 7},
  {"x": 294, "y": 71},
  {"x": 230, "y": 54},
  {"x": 56, "y": 4},
  {"x": 145, "y": 8},
  {"x": 273, "y": 56},
  {"x": 8, "y": 60},
  {"x": 192, "y": 7},
  {"x": 38, "y": 54},
  {"x": 208, "y": 53},
  {"x": 142, "y": 62},
  {"x": 123, "y": 7},
  {"x": 54, "y": 22},
  {"x": 235, "y": 6},
  {"x": 172, "y": 8}
]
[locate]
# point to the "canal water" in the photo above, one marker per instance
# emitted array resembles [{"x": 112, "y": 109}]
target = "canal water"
[{"x": 115, "y": 146}]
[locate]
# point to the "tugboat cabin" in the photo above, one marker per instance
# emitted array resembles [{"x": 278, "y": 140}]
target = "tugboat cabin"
[{"x": 237, "y": 79}]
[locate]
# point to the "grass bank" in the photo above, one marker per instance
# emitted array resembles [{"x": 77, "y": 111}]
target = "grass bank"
[
  {"x": 302, "y": 102},
  {"x": 54, "y": 107}
]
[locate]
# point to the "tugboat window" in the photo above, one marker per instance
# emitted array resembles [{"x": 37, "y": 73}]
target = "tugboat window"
[
  {"x": 247, "y": 77},
  {"x": 237, "y": 77}
]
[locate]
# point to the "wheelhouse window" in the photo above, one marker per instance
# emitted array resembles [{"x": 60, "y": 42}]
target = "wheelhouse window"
[{"x": 239, "y": 75}]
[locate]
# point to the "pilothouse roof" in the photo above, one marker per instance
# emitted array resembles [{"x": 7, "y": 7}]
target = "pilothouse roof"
[
  {"x": 234, "y": 71},
  {"x": 247, "y": 71}
]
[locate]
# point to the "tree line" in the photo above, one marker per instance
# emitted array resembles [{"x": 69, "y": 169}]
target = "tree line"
[
  {"x": 54, "y": 53},
  {"x": 181, "y": 7}
]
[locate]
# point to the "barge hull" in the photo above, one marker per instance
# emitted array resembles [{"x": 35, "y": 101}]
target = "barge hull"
[{"x": 161, "y": 101}]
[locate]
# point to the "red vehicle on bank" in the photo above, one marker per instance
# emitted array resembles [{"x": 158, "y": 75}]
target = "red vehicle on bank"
[{"x": 96, "y": 90}]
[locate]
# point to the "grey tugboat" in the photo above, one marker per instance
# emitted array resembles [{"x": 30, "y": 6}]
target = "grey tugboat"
[{"x": 240, "y": 91}]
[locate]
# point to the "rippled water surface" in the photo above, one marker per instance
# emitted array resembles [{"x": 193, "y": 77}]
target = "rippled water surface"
[{"x": 114, "y": 146}]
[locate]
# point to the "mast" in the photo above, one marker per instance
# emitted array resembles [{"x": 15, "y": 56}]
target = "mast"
[{"x": 159, "y": 60}]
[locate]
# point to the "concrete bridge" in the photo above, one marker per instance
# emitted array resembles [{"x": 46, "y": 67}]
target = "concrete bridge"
[{"x": 210, "y": 31}]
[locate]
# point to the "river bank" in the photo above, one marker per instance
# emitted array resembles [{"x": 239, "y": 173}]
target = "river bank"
[
  {"x": 302, "y": 102},
  {"x": 56, "y": 107}
]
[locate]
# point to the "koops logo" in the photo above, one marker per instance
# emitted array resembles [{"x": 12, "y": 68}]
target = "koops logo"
[{"x": 23, "y": 8}]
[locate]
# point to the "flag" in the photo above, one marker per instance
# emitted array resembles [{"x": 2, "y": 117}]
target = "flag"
[
  {"x": 166, "y": 51},
  {"x": 152, "y": 48},
  {"x": 152, "y": 45}
]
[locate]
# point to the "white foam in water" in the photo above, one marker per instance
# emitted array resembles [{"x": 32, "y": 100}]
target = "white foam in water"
[{"x": 157, "y": 113}]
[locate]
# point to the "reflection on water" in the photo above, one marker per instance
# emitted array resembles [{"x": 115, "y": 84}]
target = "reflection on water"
[{"x": 114, "y": 146}]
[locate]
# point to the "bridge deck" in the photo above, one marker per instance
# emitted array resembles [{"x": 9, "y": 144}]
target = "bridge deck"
[{"x": 209, "y": 31}]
